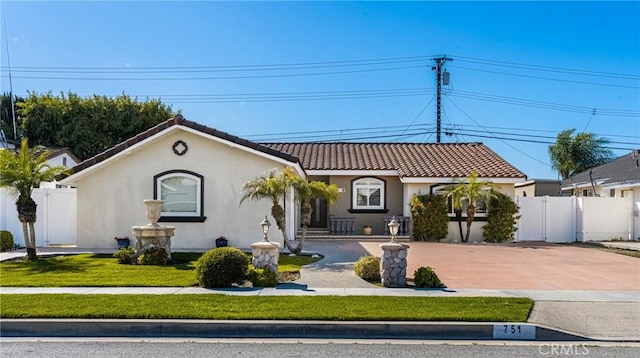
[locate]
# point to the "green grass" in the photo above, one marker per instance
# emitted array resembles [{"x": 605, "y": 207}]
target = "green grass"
[
  {"x": 213, "y": 306},
  {"x": 104, "y": 271}
]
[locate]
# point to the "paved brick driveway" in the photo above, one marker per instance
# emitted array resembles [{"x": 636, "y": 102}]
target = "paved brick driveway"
[{"x": 522, "y": 266}]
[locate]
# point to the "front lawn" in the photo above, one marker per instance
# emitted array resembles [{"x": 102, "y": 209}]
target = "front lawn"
[
  {"x": 214, "y": 306},
  {"x": 104, "y": 271}
]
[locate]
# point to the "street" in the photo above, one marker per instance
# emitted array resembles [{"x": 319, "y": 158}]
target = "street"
[{"x": 112, "y": 347}]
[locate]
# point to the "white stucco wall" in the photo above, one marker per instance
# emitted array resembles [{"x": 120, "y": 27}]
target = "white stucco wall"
[
  {"x": 110, "y": 198},
  {"x": 63, "y": 159}
]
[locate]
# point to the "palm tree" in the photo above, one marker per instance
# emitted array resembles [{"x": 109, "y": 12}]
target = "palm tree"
[
  {"x": 272, "y": 186},
  {"x": 455, "y": 191},
  {"x": 471, "y": 191},
  {"x": 24, "y": 171},
  {"x": 574, "y": 154},
  {"x": 305, "y": 192}
]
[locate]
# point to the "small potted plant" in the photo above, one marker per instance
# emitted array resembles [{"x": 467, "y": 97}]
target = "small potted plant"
[
  {"x": 221, "y": 241},
  {"x": 366, "y": 229},
  {"x": 123, "y": 242}
]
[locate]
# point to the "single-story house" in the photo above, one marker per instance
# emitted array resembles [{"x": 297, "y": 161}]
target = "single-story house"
[
  {"x": 619, "y": 178},
  {"x": 200, "y": 171},
  {"x": 539, "y": 187}
]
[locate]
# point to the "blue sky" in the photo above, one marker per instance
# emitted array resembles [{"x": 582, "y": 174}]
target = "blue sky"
[{"x": 520, "y": 70}]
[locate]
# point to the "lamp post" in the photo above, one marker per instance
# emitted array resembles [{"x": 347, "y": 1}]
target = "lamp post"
[
  {"x": 393, "y": 228},
  {"x": 265, "y": 224}
]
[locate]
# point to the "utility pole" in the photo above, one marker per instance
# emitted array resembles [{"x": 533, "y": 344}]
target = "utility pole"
[{"x": 438, "y": 68}]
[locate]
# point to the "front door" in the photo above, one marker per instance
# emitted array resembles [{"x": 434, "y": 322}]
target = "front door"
[{"x": 319, "y": 213}]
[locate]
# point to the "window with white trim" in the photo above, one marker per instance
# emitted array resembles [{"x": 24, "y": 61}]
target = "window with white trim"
[
  {"x": 182, "y": 192},
  {"x": 481, "y": 205},
  {"x": 368, "y": 194}
]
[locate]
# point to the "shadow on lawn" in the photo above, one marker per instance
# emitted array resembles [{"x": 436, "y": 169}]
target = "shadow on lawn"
[{"x": 47, "y": 265}]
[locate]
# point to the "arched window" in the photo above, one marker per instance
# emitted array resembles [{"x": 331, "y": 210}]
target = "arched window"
[
  {"x": 368, "y": 194},
  {"x": 182, "y": 192}
]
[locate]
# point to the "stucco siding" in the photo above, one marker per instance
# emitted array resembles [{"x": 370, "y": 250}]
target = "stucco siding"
[
  {"x": 393, "y": 195},
  {"x": 110, "y": 198}
]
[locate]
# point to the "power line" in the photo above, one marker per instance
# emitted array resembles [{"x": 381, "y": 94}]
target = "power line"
[
  {"x": 529, "y": 135},
  {"x": 416, "y": 118},
  {"x": 215, "y": 78},
  {"x": 549, "y": 68},
  {"x": 546, "y": 78},
  {"x": 504, "y": 141},
  {"x": 317, "y": 64}
]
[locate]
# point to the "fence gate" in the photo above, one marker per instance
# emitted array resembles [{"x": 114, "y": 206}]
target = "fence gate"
[
  {"x": 56, "y": 222},
  {"x": 546, "y": 218}
]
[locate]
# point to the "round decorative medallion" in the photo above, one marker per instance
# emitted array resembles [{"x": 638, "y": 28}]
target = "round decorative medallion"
[{"x": 180, "y": 147}]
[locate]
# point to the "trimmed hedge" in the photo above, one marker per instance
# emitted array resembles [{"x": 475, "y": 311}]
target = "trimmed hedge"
[
  {"x": 154, "y": 256},
  {"x": 6, "y": 241},
  {"x": 501, "y": 218},
  {"x": 425, "y": 277},
  {"x": 429, "y": 217},
  {"x": 368, "y": 268},
  {"x": 262, "y": 277},
  {"x": 222, "y": 267},
  {"x": 126, "y": 256}
]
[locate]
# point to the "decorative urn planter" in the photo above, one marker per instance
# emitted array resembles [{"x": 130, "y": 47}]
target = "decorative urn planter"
[{"x": 154, "y": 208}]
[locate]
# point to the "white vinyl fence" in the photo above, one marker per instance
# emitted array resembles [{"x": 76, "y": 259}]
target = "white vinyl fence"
[
  {"x": 570, "y": 219},
  {"x": 56, "y": 222}
]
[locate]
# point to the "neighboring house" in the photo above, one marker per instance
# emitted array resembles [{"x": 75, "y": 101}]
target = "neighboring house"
[
  {"x": 62, "y": 157},
  {"x": 199, "y": 172},
  {"x": 59, "y": 157},
  {"x": 619, "y": 178},
  {"x": 539, "y": 187}
]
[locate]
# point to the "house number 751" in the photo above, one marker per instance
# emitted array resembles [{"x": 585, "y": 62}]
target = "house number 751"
[{"x": 514, "y": 331}]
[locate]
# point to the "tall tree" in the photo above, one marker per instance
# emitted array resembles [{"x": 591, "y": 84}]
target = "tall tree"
[
  {"x": 24, "y": 171},
  {"x": 305, "y": 191},
  {"x": 572, "y": 154},
  {"x": 455, "y": 191},
  {"x": 7, "y": 115},
  {"x": 470, "y": 191},
  {"x": 90, "y": 125},
  {"x": 272, "y": 186}
]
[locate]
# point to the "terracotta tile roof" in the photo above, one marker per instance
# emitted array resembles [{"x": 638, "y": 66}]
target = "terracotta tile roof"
[
  {"x": 177, "y": 120},
  {"x": 410, "y": 159}
]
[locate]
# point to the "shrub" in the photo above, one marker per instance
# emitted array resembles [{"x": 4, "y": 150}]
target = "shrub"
[
  {"x": 262, "y": 277},
  {"x": 222, "y": 267},
  {"x": 430, "y": 221},
  {"x": 6, "y": 240},
  {"x": 368, "y": 268},
  {"x": 425, "y": 277},
  {"x": 501, "y": 218},
  {"x": 154, "y": 256},
  {"x": 126, "y": 256}
]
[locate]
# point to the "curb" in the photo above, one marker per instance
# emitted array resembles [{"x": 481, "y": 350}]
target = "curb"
[{"x": 282, "y": 329}]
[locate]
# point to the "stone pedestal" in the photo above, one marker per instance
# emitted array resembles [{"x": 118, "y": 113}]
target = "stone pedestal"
[
  {"x": 265, "y": 254},
  {"x": 153, "y": 233},
  {"x": 150, "y": 235},
  {"x": 393, "y": 265}
]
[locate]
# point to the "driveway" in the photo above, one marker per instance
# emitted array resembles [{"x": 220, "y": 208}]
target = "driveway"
[{"x": 522, "y": 266}]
